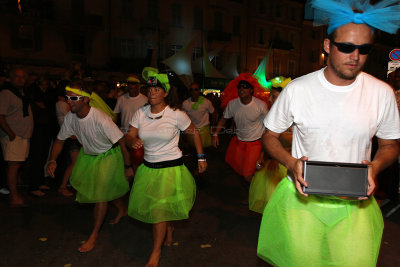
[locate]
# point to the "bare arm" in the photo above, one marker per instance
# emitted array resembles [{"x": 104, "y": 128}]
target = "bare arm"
[
  {"x": 116, "y": 117},
  {"x": 199, "y": 146},
  {"x": 132, "y": 138},
  {"x": 215, "y": 139},
  {"x": 388, "y": 151},
  {"x": 124, "y": 150},
  {"x": 6, "y": 128},
  {"x": 55, "y": 151},
  {"x": 274, "y": 148},
  {"x": 127, "y": 158},
  {"x": 214, "y": 117}
]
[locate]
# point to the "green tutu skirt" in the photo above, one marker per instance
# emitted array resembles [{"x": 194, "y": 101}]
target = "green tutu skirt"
[
  {"x": 160, "y": 195},
  {"x": 319, "y": 231},
  {"x": 99, "y": 178},
  {"x": 264, "y": 183},
  {"x": 205, "y": 136}
]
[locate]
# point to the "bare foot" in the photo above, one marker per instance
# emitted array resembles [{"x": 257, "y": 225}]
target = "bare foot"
[
  {"x": 65, "y": 192},
  {"x": 16, "y": 202},
  {"x": 169, "y": 240},
  {"x": 38, "y": 193},
  {"x": 88, "y": 245},
  {"x": 154, "y": 259},
  {"x": 120, "y": 214},
  {"x": 44, "y": 187}
]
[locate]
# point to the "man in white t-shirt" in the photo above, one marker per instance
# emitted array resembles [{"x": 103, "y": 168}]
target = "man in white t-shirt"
[
  {"x": 198, "y": 108},
  {"x": 126, "y": 106},
  {"x": 335, "y": 112},
  {"x": 98, "y": 174},
  {"x": 244, "y": 152},
  {"x": 130, "y": 102}
]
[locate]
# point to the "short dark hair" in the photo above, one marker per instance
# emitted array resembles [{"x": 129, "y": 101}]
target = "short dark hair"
[{"x": 80, "y": 84}]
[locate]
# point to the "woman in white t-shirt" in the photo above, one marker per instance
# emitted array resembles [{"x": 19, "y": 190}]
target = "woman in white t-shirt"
[{"x": 163, "y": 188}]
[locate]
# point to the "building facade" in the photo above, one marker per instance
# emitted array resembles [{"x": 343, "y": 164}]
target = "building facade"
[{"x": 126, "y": 35}]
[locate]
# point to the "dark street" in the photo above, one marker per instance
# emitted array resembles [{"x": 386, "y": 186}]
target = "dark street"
[{"x": 220, "y": 232}]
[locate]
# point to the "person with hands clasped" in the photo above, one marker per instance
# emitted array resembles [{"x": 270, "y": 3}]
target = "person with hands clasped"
[
  {"x": 163, "y": 189},
  {"x": 335, "y": 112},
  {"x": 98, "y": 175}
]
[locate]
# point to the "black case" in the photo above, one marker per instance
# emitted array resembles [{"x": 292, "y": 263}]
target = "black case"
[{"x": 335, "y": 178}]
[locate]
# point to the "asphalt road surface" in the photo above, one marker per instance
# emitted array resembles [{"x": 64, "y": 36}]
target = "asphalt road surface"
[{"x": 221, "y": 230}]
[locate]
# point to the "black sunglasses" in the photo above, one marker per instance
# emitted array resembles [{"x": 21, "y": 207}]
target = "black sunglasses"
[
  {"x": 194, "y": 89},
  {"x": 346, "y": 48},
  {"x": 134, "y": 83},
  {"x": 244, "y": 85}
]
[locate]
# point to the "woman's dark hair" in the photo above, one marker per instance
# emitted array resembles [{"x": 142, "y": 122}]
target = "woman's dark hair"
[{"x": 172, "y": 99}]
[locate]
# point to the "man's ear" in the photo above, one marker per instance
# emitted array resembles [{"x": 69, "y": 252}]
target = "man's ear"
[
  {"x": 327, "y": 45},
  {"x": 86, "y": 99}
]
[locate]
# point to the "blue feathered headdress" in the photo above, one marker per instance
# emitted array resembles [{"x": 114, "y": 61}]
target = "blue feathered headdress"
[{"x": 384, "y": 15}]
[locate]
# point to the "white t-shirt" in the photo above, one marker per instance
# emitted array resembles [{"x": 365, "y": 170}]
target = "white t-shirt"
[
  {"x": 248, "y": 118},
  {"x": 199, "y": 117},
  {"x": 96, "y": 132},
  {"x": 160, "y": 136},
  {"x": 127, "y": 106},
  {"x": 335, "y": 123},
  {"x": 62, "y": 108}
]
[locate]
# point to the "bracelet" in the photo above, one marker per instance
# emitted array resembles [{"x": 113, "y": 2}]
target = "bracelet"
[
  {"x": 201, "y": 156},
  {"x": 127, "y": 166},
  {"x": 52, "y": 160},
  {"x": 201, "y": 160}
]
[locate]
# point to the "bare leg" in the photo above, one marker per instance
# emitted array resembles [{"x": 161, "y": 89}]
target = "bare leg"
[
  {"x": 12, "y": 177},
  {"x": 159, "y": 231},
  {"x": 122, "y": 210},
  {"x": 100, "y": 211},
  {"x": 63, "y": 186},
  {"x": 170, "y": 230}
]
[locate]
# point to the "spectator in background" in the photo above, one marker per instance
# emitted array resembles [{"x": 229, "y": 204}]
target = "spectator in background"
[
  {"x": 42, "y": 103},
  {"x": 3, "y": 79},
  {"x": 31, "y": 80},
  {"x": 16, "y": 125},
  {"x": 126, "y": 107},
  {"x": 199, "y": 108},
  {"x": 103, "y": 90}
]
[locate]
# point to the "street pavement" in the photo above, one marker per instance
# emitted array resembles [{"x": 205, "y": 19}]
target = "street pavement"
[{"x": 221, "y": 230}]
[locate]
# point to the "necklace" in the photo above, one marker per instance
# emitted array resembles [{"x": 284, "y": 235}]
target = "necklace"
[{"x": 155, "y": 118}]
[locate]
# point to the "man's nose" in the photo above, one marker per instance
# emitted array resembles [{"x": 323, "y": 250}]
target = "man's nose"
[{"x": 355, "y": 55}]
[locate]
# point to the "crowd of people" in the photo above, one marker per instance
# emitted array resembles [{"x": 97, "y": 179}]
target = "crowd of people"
[{"x": 329, "y": 115}]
